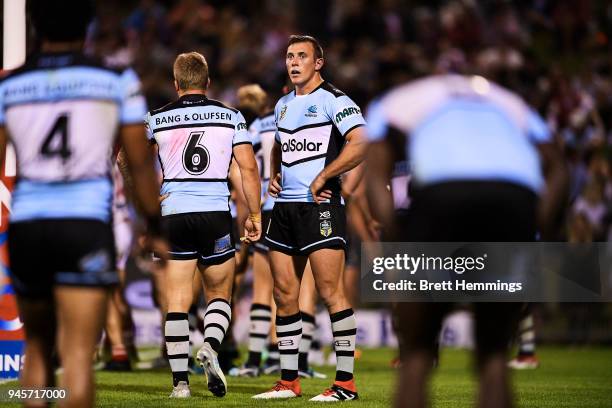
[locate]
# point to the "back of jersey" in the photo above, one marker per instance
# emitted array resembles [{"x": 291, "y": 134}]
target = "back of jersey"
[
  {"x": 195, "y": 137},
  {"x": 62, "y": 113},
  {"x": 462, "y": 128}
]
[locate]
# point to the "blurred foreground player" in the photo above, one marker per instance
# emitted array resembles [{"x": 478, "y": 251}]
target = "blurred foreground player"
[
  {"x": 319, "y": 137},
  {"x": 196, "y": 138},
  {"x": 62, "y": 111},
  {"x": 477, "y": 153}
]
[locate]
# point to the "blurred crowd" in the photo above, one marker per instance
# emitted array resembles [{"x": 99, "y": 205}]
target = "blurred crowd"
[{"x": 556, "y": 54}]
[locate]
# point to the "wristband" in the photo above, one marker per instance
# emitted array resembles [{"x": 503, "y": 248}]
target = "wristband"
[{"x": 255, "y": 217}]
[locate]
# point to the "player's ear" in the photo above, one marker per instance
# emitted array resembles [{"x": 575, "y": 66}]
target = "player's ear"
[
  {"x": 319, "y": 64},
  {"x": 176, "y": 86},
  {"x": 208, "y": 83}
]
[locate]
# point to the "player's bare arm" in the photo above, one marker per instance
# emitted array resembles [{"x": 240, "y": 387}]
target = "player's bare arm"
[
  {"x": 553, "y": 198},
  {"x": 142, "y": 173},
  {"x": 242, "y": 208},
  {"x": 251, "y": 185},
  {"x": 352, "y": 154},
  {"x": 379, "y": 166}
]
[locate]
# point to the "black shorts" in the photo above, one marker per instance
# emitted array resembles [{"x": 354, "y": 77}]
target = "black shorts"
[
  {"x": 301, "y": 228},
  {"x": 70, "y": 252},
  {"x": 471, "y": 211},
  {"x": 261, "y": 246},
  {"x": 205, "y": 236}
]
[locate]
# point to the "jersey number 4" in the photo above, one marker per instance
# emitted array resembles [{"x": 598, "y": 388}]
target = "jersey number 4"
[
  {"x": 195, "y": 155},
  {"x": 52, "y": 147}
]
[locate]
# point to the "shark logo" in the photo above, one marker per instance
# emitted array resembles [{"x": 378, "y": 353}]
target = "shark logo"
[{"x": 311, "y": 111}]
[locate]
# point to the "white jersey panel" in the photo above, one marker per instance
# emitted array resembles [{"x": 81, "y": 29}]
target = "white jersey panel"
[
  {"x": 305, "y": 144},
  {"x": 200, "y": 152},
  {"x": 54, "y": 141},
  {"x": 195, "y": 137}
]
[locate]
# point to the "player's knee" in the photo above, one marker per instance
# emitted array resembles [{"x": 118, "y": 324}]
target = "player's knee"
[
  {"x": 331, "y": 296},
  {"x": 284, "y": 296}
]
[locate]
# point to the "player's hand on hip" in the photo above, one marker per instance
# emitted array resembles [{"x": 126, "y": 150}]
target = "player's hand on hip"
[
  {"x": 252, "y": 228},
  {"x": 316, "y": 189},
  {"x": 274, "y": 187}
]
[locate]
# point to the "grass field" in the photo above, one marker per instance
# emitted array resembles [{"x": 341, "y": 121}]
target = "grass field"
[{"x": 568, "y": 378}]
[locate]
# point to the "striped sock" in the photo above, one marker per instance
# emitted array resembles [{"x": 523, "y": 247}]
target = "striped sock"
[
  {"x": 192, "y": 318},
  {"x": 527, "y": 336},
  {"x": 308, "y": 327},
  {"x": 273, "y": 354},
  {"x": 176, "y": 332},
  {"x": 344, "y": 328},
  {"x": 260, "y": 326},
  {"x": 289, "y": 333},
  {"x": 216, "y": 321}
]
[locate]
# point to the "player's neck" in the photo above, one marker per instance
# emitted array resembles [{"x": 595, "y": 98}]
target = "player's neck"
[
  {"x": 191, "y": 92},
  {"x": 69, "y": 46},
  {"x": 309, "y": 86}
]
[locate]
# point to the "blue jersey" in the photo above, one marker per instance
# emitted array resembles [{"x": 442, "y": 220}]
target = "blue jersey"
[
  {"x": 462, "y": 128},
  {"x": 195, "y": 138},
  {"x": 263, "y": 130},
  {"x": 62, "y": 112},
  {"x": 311, "y": 130}
]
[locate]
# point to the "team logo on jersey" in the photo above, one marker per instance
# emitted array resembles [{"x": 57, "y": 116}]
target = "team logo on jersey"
[
  {"x": 311, "y": 111},
  {"x": 222, "y": 244},
  {"x": 282, "y": 113},
  {"x": 325, "y": 215},
  {"x": 325, "y": 228},
  {"x": 353, "y": 110}
]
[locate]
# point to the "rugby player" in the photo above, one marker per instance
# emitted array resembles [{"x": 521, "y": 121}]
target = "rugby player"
[
  {"x": 477, "y": 152},
  {"x": 62, "y": 111},
  {"x": 262, "y": 130},
  {"x": 319, "y": 137},
  {"x": 195, "y": 138}
]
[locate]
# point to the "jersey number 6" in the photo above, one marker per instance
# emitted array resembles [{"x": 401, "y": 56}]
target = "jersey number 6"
[{"x": 195, "y": 156}]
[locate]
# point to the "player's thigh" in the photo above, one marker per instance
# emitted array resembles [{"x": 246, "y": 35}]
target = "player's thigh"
[
  {"x": 308, "y": 291},
  {"x": 178, "y": 284},
  {"x": 262, "y": 279},
  {"x": 218, "y": 279},
  {"x": 419, "y": 324},
  {"x": 496, "y": 323},
  {"x": 286, "y": 270},
  {"x": 38, "y": 318},
  {"x": 327, "y": 266},
  {"x": 79, "y": 327}
]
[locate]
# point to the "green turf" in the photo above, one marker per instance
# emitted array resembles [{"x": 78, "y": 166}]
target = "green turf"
[{"x": 568, "y": 378}]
